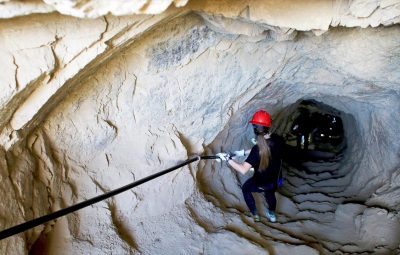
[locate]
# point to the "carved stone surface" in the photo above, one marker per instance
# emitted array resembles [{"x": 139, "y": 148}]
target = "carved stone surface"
[{"x": 89, "y": 105}]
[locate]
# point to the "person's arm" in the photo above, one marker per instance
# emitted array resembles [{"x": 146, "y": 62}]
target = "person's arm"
[
  {"x": 242, "y": 168},
  {"x": 241, "y": 153}
]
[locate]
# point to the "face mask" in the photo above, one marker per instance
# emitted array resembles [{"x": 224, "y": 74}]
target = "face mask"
[{"x": 260, "y": 130}]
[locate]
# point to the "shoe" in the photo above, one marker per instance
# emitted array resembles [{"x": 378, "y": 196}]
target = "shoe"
[
  {"x": 270, "y": 215},
  {"x": 256, "y": 218},
  {"x": 248, "y": 214}
]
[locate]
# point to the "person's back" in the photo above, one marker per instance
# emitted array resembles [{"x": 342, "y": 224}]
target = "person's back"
[{"x": 269, "y": 175}]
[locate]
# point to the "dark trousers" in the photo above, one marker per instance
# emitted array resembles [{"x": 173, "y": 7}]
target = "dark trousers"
[{"x": 269, "y": 193}]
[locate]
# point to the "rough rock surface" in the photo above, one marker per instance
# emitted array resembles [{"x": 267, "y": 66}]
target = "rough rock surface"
[{"x": 89, "y": 105}]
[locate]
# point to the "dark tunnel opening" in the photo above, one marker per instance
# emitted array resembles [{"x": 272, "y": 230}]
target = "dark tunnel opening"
[
  {"x": 314, "y": 137},
  {"x": 320, "y": 147}
]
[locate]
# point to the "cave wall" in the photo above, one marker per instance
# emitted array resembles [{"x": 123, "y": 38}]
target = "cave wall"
[{"x": 90, "y": 105}]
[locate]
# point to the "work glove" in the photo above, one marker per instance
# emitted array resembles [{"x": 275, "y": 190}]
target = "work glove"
[
  {"x": 223, "y": 156},
  {"x": 238, "y": 153}
]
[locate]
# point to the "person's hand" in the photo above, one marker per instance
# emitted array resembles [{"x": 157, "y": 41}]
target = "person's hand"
[
  {"x": 238, "y": 153},
  {"x": 223, "y": 156}
]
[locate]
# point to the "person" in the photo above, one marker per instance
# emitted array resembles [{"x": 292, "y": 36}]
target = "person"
[{"x": 266, "y": 159}]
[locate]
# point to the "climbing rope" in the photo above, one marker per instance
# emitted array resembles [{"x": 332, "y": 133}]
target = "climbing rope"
[{"x": 52, "y": 216}]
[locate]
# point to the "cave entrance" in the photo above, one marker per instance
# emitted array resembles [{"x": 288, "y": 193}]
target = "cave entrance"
[{"x": 314, "y": 135}]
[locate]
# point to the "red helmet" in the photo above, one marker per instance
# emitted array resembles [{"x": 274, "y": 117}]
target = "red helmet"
[{"x": 261, "y": 118}]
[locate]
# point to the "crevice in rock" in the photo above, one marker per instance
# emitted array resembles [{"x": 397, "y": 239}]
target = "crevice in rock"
[
  {"x": 207, "y": 226},
  {"x": 57, "y": 61},
  {"x": 14, "y": 183},
  {"x": 93, "y": 44},
  {"x": 118, "y": 222},
  {"x": 9, "y": 109},
  {"x": 252, "y": 237},
  {"x": 113, "y": 126},
  {"x": 17, "y": 86},
  {"x": 120, "y": 228}
]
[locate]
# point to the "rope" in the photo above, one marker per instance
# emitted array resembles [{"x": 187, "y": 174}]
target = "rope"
[{"x": 52, "y": 216}]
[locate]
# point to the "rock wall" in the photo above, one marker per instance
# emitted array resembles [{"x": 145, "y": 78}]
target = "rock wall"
[{"x": 89, "y": 105}]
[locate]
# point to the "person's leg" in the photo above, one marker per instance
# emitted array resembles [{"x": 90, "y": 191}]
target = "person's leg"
[
  {"x": 271, "y": 199},
  {"x": 247, "y": 189}
]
